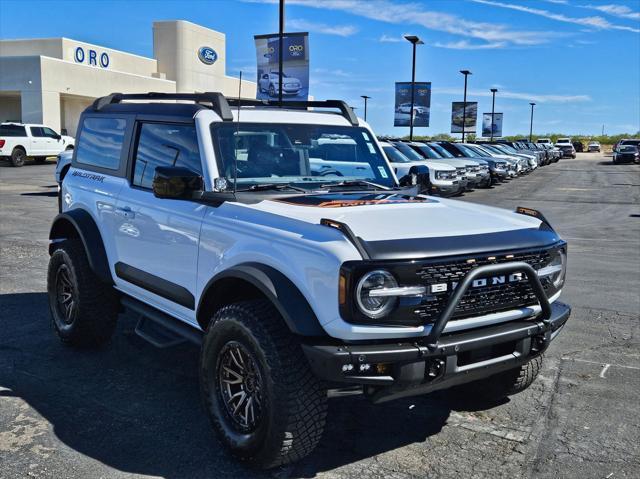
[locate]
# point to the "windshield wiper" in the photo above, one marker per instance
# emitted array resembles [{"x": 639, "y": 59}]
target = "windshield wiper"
[
  {"x": 273, "y": 186},
  {"x": 355, "y": 183}
]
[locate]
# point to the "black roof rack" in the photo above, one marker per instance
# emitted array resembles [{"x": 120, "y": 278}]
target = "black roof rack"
[
  {"x": 218, "y": 101},
  {"x": 341, "y": 105},
  {"x": 221, "y": 104}
]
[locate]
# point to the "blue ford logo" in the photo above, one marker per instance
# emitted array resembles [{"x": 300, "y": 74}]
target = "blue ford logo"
[{"x": 207, "y": 55}]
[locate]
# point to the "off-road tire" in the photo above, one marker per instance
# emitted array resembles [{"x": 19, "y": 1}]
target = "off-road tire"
[
  {"x": 295, "y": 401},
  {"x": 18, "y": 156},
  {"x": 94, "y": 313},
  {"x": 507, "y": 383}
]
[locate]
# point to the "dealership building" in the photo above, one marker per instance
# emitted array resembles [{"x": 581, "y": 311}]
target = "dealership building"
[{"x": 52, "y": 80}]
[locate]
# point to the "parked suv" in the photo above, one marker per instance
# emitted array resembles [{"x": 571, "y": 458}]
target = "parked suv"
[
  {"x": 566, "y": 147},
  {"x": 19, "y": 141},
  {"x": 207, "y": 220}
]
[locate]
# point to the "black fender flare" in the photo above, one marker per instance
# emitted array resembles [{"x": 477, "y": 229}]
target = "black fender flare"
[
  {"x": 277, "y": 288},
  {"x": 79, "y": 223}
]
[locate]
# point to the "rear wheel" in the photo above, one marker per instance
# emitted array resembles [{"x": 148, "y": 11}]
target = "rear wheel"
[
  {"x": 266, "y": 405},
  {"x": 18, "y": 156},
  {"x": 272, "y": 91},
  {"x": 83, "y": 309}
]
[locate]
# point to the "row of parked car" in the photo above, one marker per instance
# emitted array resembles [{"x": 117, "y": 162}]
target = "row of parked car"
[{"x": 455, "y": 168}]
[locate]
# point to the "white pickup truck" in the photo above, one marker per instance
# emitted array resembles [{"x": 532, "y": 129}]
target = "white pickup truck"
[{"x": 19, "y": 141}]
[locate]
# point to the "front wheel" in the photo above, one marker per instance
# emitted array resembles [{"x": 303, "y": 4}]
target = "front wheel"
[
  {"x": 261, "y": 397},
  {"x": 272, "y": 91}
]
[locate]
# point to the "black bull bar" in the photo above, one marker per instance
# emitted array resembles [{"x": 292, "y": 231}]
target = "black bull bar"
[{"x": 411, "y": 361}]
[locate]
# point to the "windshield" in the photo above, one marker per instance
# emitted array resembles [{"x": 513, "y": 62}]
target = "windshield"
[
  {"x": 628, "y": 148},
  {"x": 394, "y": 155},
  {"x": 409, "y": 152},
  {"x": 298, "y": 153},
  {"x": 441, "y": 150},
  {"x": 469, "y": 152},
  {"x": 506, "y": 149},
  {"x": 428, "y": 151},
  {"x": 481, "y": 150}
]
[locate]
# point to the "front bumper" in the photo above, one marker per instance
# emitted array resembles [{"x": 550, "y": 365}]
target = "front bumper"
[
  {"x": 445, "y": 188},
  {"x": 441, "y": 360},
  {"x": 414, "y": 368}
]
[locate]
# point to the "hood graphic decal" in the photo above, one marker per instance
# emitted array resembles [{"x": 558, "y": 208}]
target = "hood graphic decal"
[{"x": 341, "y": 200}]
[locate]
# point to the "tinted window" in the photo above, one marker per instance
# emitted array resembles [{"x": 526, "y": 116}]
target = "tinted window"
[
  {"x": 12, "y": 130},
  {"x": 165, "y": 145},
  {"x": 101, "y": 142},
  {"x": 37, "y": 131},
  {"x": 48, "y": 132}
]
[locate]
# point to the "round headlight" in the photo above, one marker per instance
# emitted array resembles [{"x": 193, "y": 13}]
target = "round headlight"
[
  {"x": 378, "y": 306},
  {"x": 556, "y": 269}
]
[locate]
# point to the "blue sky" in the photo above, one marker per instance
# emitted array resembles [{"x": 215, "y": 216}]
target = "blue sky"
[{"x": 579, "y": 60}]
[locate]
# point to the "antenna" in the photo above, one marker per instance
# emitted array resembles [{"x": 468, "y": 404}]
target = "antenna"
[{"x": 237, "y": 138}]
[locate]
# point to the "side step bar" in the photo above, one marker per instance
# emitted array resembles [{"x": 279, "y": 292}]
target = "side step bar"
[{"x": 172, "y": 325}]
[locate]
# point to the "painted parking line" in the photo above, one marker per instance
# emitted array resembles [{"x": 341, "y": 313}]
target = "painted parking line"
[{"x": 605, "y": 366}]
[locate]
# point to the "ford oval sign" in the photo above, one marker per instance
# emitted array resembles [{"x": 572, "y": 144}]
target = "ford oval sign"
[{"x": 207, "y": 55}]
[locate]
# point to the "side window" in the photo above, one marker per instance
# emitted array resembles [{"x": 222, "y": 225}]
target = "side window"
[
  {"x": 101, "y": 141},
  {"x": 37, "y": 131},
  {"x": 12, "y": 130},
  {"x": 49, "y": 133},
  {"x": 165, "y": 145}
]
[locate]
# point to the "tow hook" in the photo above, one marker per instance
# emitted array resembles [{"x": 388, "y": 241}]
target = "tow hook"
[{"x": 435, "y": 368}]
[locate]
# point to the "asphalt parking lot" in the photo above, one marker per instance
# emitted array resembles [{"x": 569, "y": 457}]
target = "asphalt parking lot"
[{"x": 133, "y": 410}]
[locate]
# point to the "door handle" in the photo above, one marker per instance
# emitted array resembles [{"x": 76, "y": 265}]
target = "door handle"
[{"x": 126, "y": 212}]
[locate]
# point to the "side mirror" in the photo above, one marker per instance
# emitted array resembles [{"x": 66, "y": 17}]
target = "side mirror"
[
  {"x": 176, "y": 182},
  {"x": 58, "y": 137},
  {"x": 418, "y": 176}
]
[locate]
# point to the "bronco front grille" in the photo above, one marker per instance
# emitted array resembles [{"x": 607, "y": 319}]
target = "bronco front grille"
[{"x": 481, "y": 299}]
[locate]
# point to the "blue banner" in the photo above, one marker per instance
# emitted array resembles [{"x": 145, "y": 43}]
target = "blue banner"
[
  {"x": 295, "y": 66},
  {"x": 421, "y": 104}
]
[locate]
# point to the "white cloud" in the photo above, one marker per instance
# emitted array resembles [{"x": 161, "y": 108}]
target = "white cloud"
[
  {"x": 403, "y": 13},
  {"x": 595, "y": 22},
  {"x": 465, "y": 45},
  {"x": 390, "y": 39},
  {"x": 339, "y": 30},
  {"x": 536, "y": 97},
  {"x": 333, "y": 73},
  {"x": 621, "y": 11}
]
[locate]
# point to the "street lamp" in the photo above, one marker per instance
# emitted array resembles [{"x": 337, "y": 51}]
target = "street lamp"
[
  {"x": 466, "y": 73},
  {"x": 531, "y": 124},
  {"x": 493, "y": 109},
  {"x": 414, "y": 41},
  {"x": 280, "y": 51},
  {"x": 365, "y": 105}
]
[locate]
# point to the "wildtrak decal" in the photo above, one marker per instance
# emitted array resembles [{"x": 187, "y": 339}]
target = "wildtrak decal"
[{"x": 89, "y": 176}]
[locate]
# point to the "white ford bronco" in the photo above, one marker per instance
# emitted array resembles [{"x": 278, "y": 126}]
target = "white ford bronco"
[{"x": 207, "y": 219}]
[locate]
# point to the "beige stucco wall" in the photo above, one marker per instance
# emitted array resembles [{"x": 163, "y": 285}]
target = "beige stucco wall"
[{"x": 53, "y": 87}]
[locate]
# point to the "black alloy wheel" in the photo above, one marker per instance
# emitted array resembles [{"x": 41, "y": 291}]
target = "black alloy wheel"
[
  {"x": 66, "y": 295},
  {"x": 240, "y": 386}
]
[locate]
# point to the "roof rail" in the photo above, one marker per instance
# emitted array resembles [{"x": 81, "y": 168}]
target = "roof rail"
[
  {"x": 218, "y": 101},
  {"x": 345, "y": 109}
]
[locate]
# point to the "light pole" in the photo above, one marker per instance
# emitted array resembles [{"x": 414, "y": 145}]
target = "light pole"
[
  {"x": 280, "y": 51},
  {"x": 466, "y": 73},
  {"x": 414, "y": 41},
  {"x": 531, "y": 124},
  {"x": 493, "y": 109},
  {"x": 365, "y": 105}
]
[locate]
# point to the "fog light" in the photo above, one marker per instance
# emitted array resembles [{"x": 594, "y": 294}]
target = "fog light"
[
  {"x": 382, "y": 368},
  {"x": 347, "y": 367},
  {"x": 435, "y": 368},
  {"x": 365, "y": 367}
]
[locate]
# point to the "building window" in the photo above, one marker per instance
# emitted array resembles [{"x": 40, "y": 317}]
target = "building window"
[
  {"x": 101, "y": 141},
  {"x": 165, "y": 145}
]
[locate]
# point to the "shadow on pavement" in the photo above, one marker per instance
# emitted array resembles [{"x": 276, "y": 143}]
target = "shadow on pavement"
[
  {"x": 136, "y": 408},
  {"x": 41, "y": 193}
]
